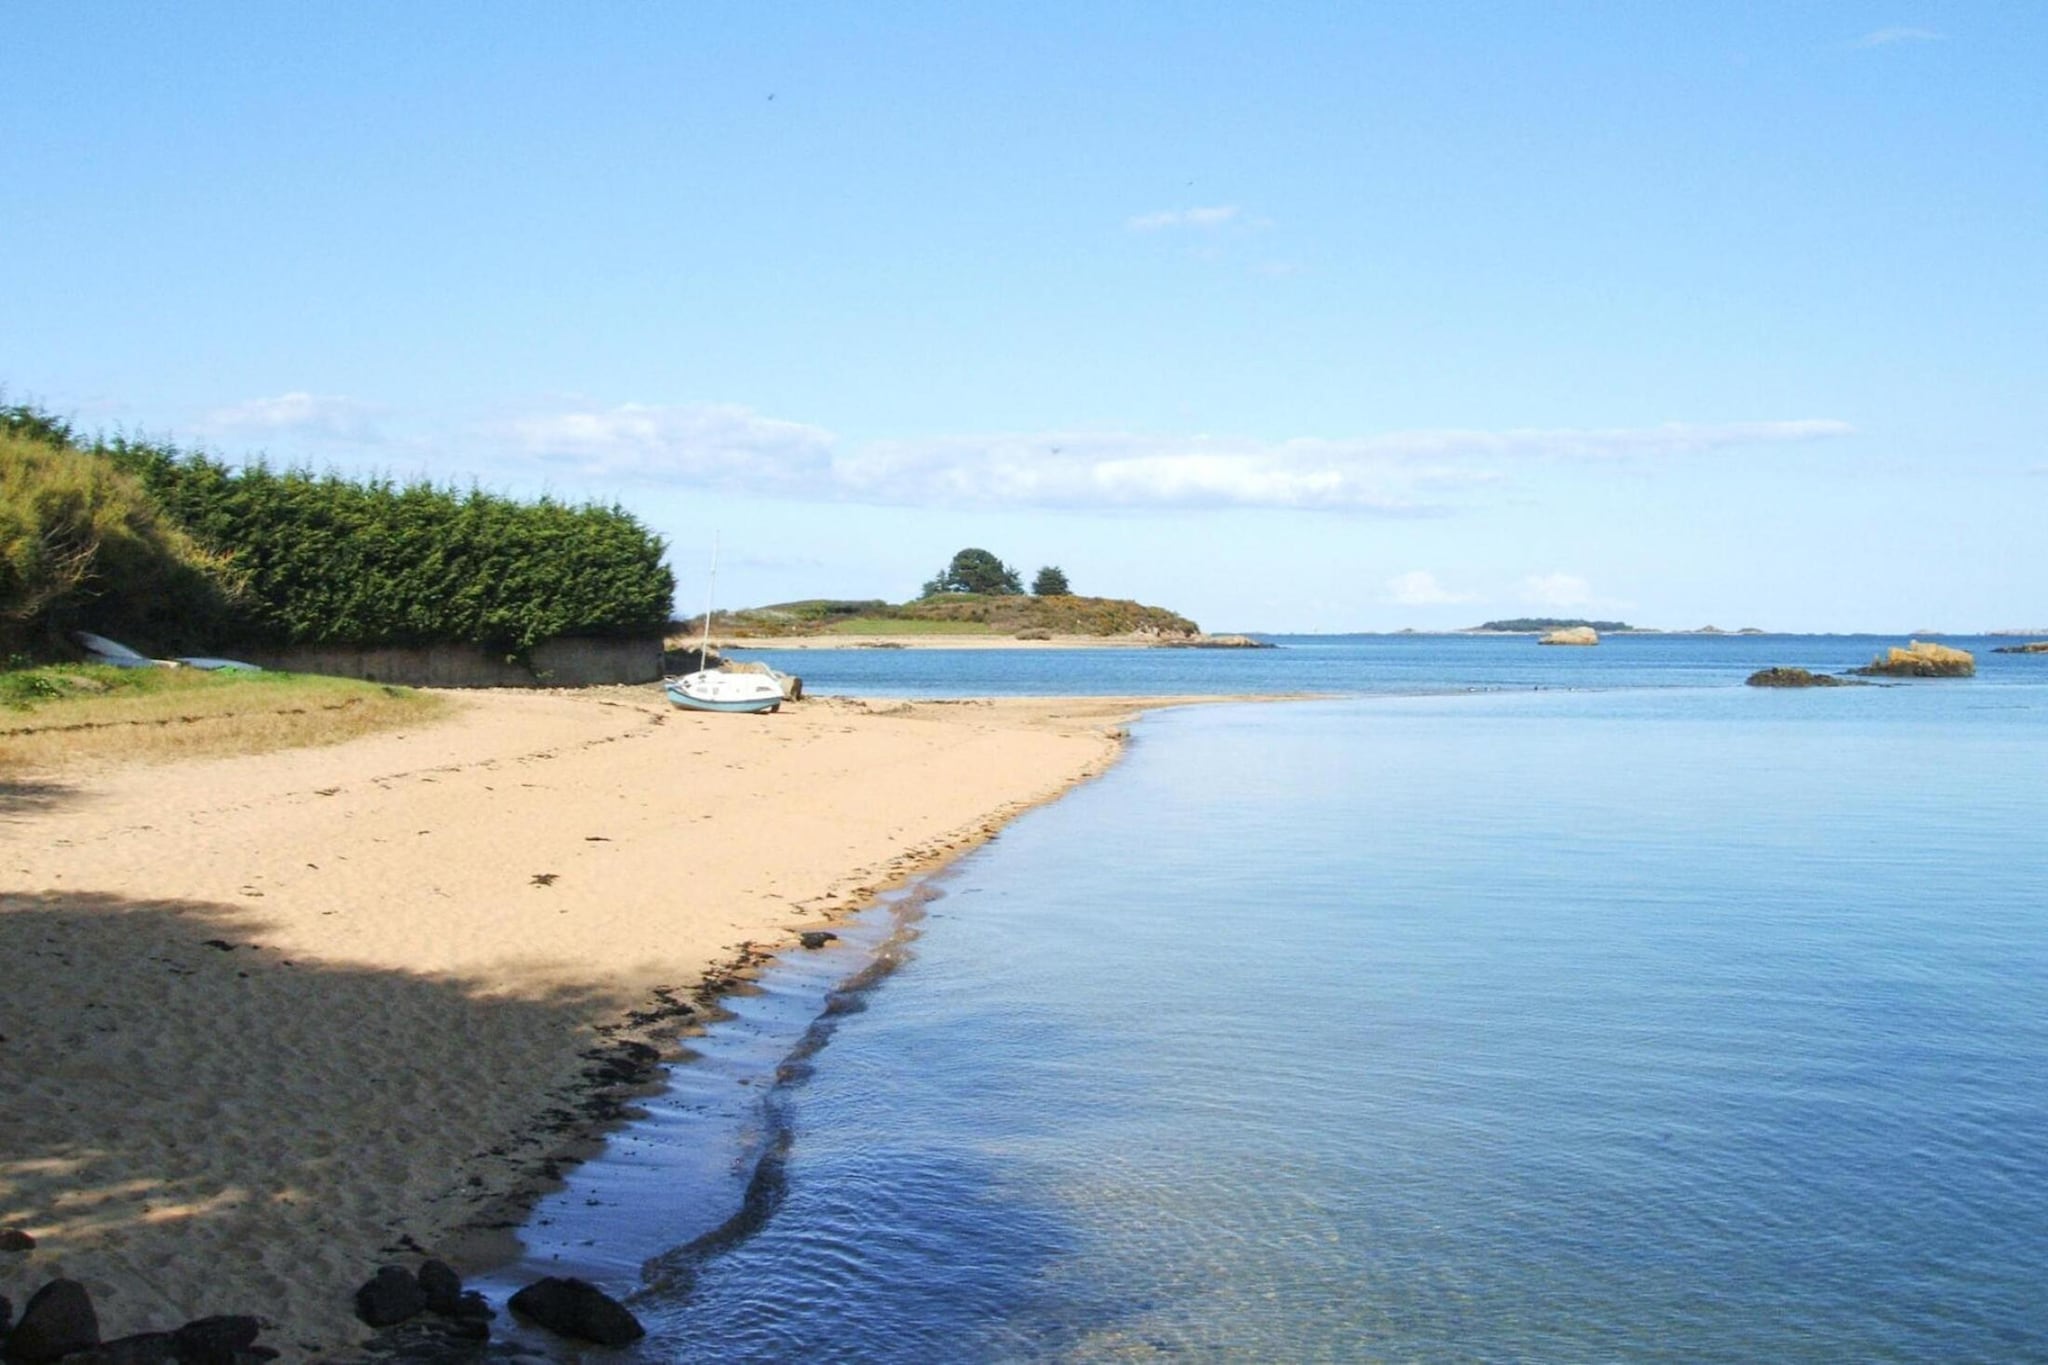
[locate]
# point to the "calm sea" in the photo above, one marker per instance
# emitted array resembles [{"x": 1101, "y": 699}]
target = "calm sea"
[{"x": 1532, "y": 1005}]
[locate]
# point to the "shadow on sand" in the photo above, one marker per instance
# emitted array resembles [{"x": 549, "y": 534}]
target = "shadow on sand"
[
  {"x": 31, "y": 796},
  {"x": 179, "y": 1092}
]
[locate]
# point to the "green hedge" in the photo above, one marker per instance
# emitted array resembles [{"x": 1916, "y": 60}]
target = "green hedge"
[
  {"x": 262, "y": 557},
  {"x": 328, "y": 560}
]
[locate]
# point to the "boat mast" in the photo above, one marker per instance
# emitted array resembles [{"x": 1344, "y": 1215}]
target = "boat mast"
[{"x": 710, "y": 592}]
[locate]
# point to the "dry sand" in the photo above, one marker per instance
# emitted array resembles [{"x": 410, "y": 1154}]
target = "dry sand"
[{"x": 269, "y": 1021}]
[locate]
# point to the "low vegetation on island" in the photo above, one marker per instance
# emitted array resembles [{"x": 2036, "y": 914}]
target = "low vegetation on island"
[{"x": 976, "y": 594}]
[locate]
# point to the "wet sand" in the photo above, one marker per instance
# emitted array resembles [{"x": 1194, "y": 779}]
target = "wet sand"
[{"x": 269, "y": 1021}]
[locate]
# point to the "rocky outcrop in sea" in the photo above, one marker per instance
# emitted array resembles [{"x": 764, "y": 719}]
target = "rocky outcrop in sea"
[{"x": 1922, "y": 659}]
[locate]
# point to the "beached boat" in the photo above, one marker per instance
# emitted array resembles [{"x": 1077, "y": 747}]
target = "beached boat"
[{"x": 714, "y": 689}]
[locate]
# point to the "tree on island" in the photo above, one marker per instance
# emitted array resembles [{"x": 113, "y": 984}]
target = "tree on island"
[
  {"x": 1051, "y": 582},
  {"x": 977, "y": 571}
]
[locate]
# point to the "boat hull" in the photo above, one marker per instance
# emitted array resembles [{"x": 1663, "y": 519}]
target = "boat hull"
[{"x": 746, "y": 693}]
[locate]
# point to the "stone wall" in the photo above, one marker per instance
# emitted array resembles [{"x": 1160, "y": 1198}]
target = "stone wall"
[{"x": 564, "y": 662}]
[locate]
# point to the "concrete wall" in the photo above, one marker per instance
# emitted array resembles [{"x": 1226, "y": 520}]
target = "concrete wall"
[{"x": 565, "y": 662}]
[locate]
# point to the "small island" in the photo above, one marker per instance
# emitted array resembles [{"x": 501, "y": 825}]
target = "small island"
[
  {"x": 977, "y": 600},
  {"x": 1538, "y": 625}
]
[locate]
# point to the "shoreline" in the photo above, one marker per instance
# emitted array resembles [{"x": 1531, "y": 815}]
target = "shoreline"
[
  {"x": 744, "y": 643},
  {"x": 286, "y": 1016}
]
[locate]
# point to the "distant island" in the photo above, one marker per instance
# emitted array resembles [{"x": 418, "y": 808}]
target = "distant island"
[{"x": 1525, "y": 625}]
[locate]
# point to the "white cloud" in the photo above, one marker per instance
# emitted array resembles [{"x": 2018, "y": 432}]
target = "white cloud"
[
  {"x": 1556, "y": 590},
  {"x": 714, "y": 445},
  {"x": 1215, "y": 216},
  {"x": 324, "y": 417},
  {"x": 1419, "y": 588},
  {"x": 1396, "y": 473},
  {"x": 1884, "y": 37},
  {"x": 1118, "y": 470}
]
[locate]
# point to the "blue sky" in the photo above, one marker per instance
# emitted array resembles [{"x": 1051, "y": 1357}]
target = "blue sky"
[{"x": 1288, "y": 316}]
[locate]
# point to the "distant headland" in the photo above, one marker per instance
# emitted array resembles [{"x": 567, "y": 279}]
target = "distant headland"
[{"x": 1539, "y": 625}]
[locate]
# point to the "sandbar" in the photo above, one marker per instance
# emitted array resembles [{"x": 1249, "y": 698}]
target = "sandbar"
[{"x": 268, "y": 1021}]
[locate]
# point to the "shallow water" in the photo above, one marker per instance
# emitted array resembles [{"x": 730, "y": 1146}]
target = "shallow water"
[
  {"x": 1667, "y": 1022},
  {"x": 1348, "y": 664}
]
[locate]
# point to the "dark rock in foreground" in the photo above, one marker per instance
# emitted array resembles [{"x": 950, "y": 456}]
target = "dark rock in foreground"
[
  {"x": 576, "y": 1308},
  {"x": 58, "y": 1320},
  {"x": 224, "y": 1339},
  {"x": 432, "y": 1340},
  {"x": 14, "y": 1239},
  {"x": 441, "y": 1287},
  {"x": 60, "y": 1325},
  {"x": 143, "y": 1348},
  {"x": 451, "y": 1325},
  {"x": 1797, "y": 677},
  {"x": 389, "y": 1297},
  {"x": 817, "y": 938}
]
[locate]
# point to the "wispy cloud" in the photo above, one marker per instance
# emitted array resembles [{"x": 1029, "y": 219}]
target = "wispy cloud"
[
  {"x": 1120, "y": 470},
  {"x": 1216, "y": 216},
  {"x": 712, "y": 445},
  {"x": 1419, "y": 588},
  {"x": 1885, "y": 37},
  {"x": 1411, "y": 473},
  {"x": 1608, "y": 443},
  {"x": 1556, "y": 590},
  {"x": 319, "y": 416}
]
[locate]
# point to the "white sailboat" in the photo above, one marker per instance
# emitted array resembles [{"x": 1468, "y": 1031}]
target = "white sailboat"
[{"x": 713, "y": 689}]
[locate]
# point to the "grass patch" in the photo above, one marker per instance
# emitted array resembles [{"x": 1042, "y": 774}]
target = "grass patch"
[{"x": 65, "y": 715}]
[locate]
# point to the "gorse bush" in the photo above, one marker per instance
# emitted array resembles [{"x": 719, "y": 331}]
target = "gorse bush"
[
  {"x": 83, "y": 544},
  {"x": 176, "y": 548}
]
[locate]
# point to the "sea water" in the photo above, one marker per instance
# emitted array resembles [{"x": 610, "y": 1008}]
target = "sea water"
[
  {"x": 1348, "y": 664},
  {"x": 1655, "y": 1021}
]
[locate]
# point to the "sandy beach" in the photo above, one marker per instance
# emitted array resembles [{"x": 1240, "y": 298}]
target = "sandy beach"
[{"x": 269, "y": 1021}]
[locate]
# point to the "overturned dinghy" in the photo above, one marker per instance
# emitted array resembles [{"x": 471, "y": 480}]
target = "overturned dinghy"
[{"x": 715, "y": 690}]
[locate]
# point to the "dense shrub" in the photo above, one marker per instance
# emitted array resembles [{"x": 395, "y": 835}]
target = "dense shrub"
[
  {"x": 333, "y": 561},
  {"x": 168, "y": 549},
  {"x": 82, "y": 544}
]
